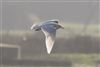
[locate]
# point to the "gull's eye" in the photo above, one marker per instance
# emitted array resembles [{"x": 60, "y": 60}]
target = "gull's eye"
[{"x": 56, "y": 21}]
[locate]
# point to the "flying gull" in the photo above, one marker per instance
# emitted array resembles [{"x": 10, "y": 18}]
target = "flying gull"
[{"x": 49, "y": 29}]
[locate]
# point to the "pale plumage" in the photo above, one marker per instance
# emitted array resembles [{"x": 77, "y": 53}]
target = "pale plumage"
[{"x": 49, "y": 29}]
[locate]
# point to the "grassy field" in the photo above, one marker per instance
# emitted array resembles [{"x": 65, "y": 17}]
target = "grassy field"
[
  {"x": 71, "y": 30},
  {"x": 78, "y": 60},
  {"x": 74, "y": 57}
]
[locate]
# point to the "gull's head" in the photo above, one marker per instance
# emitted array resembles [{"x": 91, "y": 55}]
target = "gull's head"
[
  {"x": 59, "y": 26},
  {"x": 35, "y": 27},
  {"x": 57, "y": 22}
]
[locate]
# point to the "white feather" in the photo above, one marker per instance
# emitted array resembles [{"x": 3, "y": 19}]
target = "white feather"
[{"x": 50, "y": 39}]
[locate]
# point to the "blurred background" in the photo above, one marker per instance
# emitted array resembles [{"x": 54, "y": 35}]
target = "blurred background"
[{"x": 78, "y": 43}]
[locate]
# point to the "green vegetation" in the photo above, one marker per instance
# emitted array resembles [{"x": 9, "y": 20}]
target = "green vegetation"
[
  {"x": 80, "y": 58},
  {"x": 74, "y": 57},
  {"x": 79, "y": 29},
  {"x": 83, "y": 51},
  {"x": 77, "y": 59},
  {"x": 70, "y": 29}
]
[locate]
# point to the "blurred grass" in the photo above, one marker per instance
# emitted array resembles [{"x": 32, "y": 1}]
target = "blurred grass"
[
  {"x": 74, "y": 57},
  {"x": 16, "y": 32},
  {"x": 77, "y": 29},
  {"x": 77, "y": 59},
  {"x": 80, "y": 59},
  {"x": 70, "y": 29}
]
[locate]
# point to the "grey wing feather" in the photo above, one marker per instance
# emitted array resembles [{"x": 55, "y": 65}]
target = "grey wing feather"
[
  {"x": 51, "y": 22},
  {"x": 50, "y": 37}
]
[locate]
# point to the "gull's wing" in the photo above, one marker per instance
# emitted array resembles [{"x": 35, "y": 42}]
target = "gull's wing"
[
  {"x": 54, "y": 21},
  {"x": 50, "y": 37}
]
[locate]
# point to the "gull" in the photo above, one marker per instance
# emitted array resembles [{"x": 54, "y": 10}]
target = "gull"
[{"x": 49, "y": 29}]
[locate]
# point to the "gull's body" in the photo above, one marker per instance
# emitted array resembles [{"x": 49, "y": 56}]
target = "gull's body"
[{"x": 49, "y": 29}]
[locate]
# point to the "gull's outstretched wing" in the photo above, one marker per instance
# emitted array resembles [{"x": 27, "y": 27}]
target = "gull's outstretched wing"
[
  {"x": 50, "y": 33},
  {"x": 54, "y": 21}
]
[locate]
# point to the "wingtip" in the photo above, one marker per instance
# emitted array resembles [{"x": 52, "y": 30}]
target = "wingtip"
[{"x": 48, "y": 52}]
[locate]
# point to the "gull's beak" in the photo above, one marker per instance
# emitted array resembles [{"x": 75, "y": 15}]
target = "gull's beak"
[{"x": 61, "y": 27}]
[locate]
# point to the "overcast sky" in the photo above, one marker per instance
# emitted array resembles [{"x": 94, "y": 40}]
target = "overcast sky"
[
  {"x": 15, "y": 15},
  {"x": 50, "y": 0}
]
